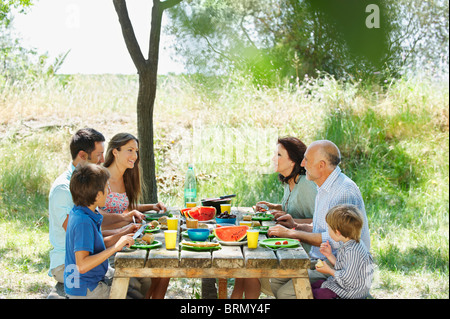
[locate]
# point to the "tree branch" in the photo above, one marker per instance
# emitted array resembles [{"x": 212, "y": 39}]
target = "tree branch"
[
  {"x": 169, "y": 4},
  {"x": 128, "y": 34}
]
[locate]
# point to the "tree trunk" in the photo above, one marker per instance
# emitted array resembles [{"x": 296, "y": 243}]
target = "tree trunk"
[
  {"x": 148, "y": 75},
  {"x": 145, "y": 103}
]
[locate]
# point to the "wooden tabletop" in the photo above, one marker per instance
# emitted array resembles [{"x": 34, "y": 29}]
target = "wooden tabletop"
[{"x": 228, "y": 262}]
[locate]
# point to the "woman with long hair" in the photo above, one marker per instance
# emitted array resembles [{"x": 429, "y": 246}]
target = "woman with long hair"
[
  {"x": 124, "y": 186},
  {"x": 125, "y": 189}
]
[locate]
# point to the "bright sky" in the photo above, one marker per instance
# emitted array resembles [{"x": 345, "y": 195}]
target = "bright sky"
[{"x": 91, "y": 30}]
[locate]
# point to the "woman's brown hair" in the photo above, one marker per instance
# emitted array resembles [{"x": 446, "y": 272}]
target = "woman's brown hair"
[
  {"x": 296, "y": 151},
  {"x": 131, "y": 177}
]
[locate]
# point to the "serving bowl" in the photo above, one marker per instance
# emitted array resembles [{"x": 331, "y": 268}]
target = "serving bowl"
[
  {"x": 198, "y": 234},
  {"x": 226, "y": 220}
]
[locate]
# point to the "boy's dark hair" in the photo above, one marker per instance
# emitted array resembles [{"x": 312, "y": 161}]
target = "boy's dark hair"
[
  {"x": 84, "y": 140},
  {"x": 347, "y": 219},
  {"x": 87, "y": 180}
]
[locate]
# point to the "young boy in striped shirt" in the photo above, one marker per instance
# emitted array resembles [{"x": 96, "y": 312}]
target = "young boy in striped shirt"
[{"x": 352, "y": 274}]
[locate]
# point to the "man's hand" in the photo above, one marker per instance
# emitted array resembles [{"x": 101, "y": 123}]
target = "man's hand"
[
  {"x": 280, "y": 231},
  {"x": 285, "y": 220}
]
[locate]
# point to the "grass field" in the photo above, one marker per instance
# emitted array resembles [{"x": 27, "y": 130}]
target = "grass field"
[{"x": 394, "y": 142}]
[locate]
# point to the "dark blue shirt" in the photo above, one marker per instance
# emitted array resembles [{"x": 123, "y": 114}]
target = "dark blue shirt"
[{"x": 83, "y": 234}]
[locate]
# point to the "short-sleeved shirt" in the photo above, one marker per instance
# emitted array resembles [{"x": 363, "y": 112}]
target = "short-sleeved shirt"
[
  {"x": 60, "y": 204},
  {"x": 83, "y": 234},
  {"x": 337, "y": 189},
  {"x": 299, "y": 203}
]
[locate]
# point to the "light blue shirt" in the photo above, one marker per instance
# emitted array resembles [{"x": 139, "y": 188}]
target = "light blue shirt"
[
  {"x": 60, "y": 204},
  {"x": 337, "y": 189}
]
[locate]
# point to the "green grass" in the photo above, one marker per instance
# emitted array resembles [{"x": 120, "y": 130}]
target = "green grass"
[{"x": 394, "y": 143}]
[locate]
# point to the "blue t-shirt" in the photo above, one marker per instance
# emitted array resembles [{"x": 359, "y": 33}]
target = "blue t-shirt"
[{"x": 83, "y": 234}]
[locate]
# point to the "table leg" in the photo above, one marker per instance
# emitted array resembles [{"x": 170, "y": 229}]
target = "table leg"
[
  {"x": 223, "y": 288},
  {"x": 119, "y": 288},
  {"x": 302, "y": 288}
]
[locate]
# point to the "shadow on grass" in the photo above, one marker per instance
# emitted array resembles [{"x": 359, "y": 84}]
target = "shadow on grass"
[{"x": 414, "y": 259}]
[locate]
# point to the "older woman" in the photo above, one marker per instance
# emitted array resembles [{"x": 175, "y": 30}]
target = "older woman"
[
  {"x": 124, "y": 191},
  {"x": 298, "y": 201},
  {"x": 299, "y": 193}
]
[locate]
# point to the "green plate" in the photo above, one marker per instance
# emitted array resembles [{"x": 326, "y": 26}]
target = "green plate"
[
  {"x": 270, "y": 243},
  {"x": 184, "y": 247},
  {"x": 262, "y": 217},
  {"x": 154, "y": 230},
  {"x": 155, "y": 244},
  {"x": 156, "y": 216},
  {"x": 185, "y": 234}
]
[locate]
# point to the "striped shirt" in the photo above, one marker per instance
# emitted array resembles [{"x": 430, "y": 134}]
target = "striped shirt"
[
  {"x": 337, "y": 189},
  {"x": 354, "y": 271}
]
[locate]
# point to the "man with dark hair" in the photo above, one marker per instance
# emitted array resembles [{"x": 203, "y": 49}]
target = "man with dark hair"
[{"x": 86, "y": 145}]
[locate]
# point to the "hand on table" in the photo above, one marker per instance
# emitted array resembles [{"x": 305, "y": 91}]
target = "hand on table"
[
  {"x": 138, "y": 216},
  {"x": 125, "y": 240},
  {"x": 160, "y": 206},
  {"x": 279, "y": 231},
  {"x": 284, "y": 219},
  {"x": 131, "y": 228}
]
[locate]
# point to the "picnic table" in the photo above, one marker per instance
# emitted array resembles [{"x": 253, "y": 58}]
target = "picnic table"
[{"x": 228, "y": 262}]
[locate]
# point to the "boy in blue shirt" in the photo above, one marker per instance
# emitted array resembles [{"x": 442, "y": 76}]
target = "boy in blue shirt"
[{"x": 86, "y": 259}]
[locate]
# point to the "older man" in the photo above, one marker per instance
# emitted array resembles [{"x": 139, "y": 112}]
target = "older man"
[{"x": 321, "y": 162}]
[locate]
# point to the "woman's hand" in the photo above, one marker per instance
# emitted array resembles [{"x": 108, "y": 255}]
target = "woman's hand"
[
  {"x": 259, "y": 204},
  {"x": 160, "y": 207},
  {"x": 138, "y": 216}
]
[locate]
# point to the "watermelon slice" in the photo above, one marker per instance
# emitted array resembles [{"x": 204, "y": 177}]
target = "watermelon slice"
[
  {"x": 185, "y": 210},
  {"x": 231, "y": 233},
  {"x": 201, "y": 213}
]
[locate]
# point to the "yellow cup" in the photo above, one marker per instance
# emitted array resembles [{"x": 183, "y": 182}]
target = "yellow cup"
[
  {"x": 170, "y": 237},
  {"x": 246, "y": 223},
  {"x": 191, "y": 204},
  {"x": 225, "y": 208},
  {"x": 252, "y": 238},
  {"x": 172, "y": 223}
]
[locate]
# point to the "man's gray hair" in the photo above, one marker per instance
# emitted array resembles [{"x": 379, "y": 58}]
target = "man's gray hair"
[{"x": 330, "y": 151}]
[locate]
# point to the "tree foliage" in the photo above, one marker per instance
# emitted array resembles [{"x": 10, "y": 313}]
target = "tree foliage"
[{"x": 275, "y": 39}]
